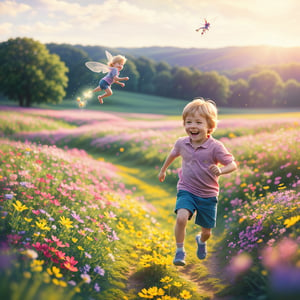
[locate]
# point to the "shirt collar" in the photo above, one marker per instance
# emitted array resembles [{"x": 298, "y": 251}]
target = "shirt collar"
[{"x": 204, "y": 145}]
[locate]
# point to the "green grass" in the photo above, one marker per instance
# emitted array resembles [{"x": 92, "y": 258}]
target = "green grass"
[{"x": 129, "y": 102}]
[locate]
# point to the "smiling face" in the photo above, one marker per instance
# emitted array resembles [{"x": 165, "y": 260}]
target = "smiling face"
[
  {"x": 196, "y": 127},
  {"x": 118, "y": 65}
]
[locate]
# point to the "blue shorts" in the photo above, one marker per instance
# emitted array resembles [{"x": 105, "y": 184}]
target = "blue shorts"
[
  {"x": 103, "y": 84},
  {"x": 206, "y": 208}
]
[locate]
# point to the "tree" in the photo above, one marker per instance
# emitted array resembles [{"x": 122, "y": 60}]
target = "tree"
[
  {"x": 79, "y": 76},
  {"x": 182, "y": 82},
  {"x": 30, "y": 74},
  {"x": 291, "y": 93},
  {"x": 239, "y": 93},
  {"x": 211, "y": 85},
  {"x": 162, "y": 82},
  {"x": 265, "y": 89},
  {"x": 134, "y": 76},
  {"x": 146, "y": 69}
]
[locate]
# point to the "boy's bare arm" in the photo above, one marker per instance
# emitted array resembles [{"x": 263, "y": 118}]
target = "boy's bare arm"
[
  {"x": 223, "y": 170},
  {"x": 162, "y": 174}
]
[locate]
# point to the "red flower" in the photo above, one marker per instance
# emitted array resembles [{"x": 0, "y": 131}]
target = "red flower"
[
  {"x": 71, "y": 260},
  {"x": 70, "y": 267}
]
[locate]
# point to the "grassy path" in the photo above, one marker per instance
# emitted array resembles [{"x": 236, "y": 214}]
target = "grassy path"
[{"x": 206, "y": 275}]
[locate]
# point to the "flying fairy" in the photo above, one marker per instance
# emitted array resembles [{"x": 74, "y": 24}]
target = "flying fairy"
[{"x": 113, "y": 67}]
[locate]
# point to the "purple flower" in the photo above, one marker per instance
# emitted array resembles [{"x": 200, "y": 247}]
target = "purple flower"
[
  {"x": 72, "y": 282},
  {"x": 77, "y": 217},
  {"x": 99, "y": 270},
  {"x": 97, "y": 287},
  {"x": 85, "y": 269},
  {"x": 113, "y": 236}
]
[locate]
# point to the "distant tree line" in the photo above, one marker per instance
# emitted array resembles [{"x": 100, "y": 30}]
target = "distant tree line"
[
  {"x": 262, "y": 86},
  {"x": 31, "y": 72}
]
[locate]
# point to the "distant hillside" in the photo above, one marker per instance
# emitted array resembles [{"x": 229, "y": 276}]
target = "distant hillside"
[{"x": 221, "y": 59}]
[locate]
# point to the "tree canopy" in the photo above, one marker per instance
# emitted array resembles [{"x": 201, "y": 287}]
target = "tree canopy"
[{"x": 30, "y": 74}]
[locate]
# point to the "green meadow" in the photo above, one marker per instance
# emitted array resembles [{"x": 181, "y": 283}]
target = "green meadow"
[{"x": 83, "y": 215}]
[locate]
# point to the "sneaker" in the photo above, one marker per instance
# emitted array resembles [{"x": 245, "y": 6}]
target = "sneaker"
[
  {"x": 201, "y": 251},
  {"x": 179, "y": 258}
]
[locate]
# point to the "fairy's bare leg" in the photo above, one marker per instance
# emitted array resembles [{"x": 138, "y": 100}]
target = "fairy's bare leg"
[
  {"x": 108, "y": 92},
  {"x": 97, "y": 89}
]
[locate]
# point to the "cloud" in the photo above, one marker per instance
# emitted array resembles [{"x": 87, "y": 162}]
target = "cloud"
[
  {"x": 11, "y": 8},
  {"x": 6, "y": 28}
]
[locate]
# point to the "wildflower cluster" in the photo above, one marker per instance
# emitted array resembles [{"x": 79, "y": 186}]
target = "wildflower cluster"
[{"x": 67, "y": 217}]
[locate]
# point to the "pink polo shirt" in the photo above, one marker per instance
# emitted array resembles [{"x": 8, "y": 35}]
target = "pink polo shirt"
[{"x": 194, "y": 176}]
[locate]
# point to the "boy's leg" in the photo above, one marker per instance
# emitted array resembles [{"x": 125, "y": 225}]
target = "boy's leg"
[
  {"x": 201, "y": 242},
  {"x": 205, "y": 234},
  {"x": 180, "y": 227}
]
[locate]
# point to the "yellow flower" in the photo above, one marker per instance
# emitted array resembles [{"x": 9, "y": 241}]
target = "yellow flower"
[
  {"x": 27, "y": 219},
  {"x": 151, "y": 292},
  {"x": 66, "y": 222},
  {"x": 242, "y": 219},
  {"x": 120, "y": 226},
  {"x": 264, "y": 273},
  {"x": 166, "y": 279},
  {"x": 59, "y": 282},
  {"x": 80, "y": 248},
  {"x": 27, "y": 274},
  {"x": 19, "y": 206},
  {"x": 74, "y": 240},
  {"x": 185, "y": 294},
  {"x": 266, "y": 187},
  {"x": 36, "y": 265},
  {"x": 291, "y": 221},
  {"x": 121, "y": 149},
  {"x": 54, "y": 271},
  {"x": 139, "y": 234},
  {"x": 42, "y": 224},
  {"x": 177, "y": 284}
]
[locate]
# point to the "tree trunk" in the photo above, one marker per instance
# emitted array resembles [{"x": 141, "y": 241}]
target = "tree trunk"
[
  {"x": 28, "y": 99},
  {"x": 21, "y": 101}
]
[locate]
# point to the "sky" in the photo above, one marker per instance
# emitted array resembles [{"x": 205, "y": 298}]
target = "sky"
[{"x": 144, "y": 23}]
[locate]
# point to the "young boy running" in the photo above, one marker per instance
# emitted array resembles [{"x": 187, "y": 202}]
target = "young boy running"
[{"x": 197, "y": 187}]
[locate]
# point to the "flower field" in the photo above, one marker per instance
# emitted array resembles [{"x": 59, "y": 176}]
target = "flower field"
[{"x": 71, "y": 228}]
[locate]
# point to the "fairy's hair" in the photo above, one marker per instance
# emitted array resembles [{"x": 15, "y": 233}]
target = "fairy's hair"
[
  {"x": 206, "y": 109},
  {"x": 117, "y": 59}
]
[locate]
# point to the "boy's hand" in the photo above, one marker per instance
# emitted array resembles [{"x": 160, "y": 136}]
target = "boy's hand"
[
  {"x": 215, "y": 170},
  {"x": 161, "y": 176},
  {"x": 126, "y": 78}
]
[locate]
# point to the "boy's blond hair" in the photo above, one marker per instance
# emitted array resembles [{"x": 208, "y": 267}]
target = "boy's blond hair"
[
  {"x": 206, "y": 109},
  {"x": 118, "y": 59}
]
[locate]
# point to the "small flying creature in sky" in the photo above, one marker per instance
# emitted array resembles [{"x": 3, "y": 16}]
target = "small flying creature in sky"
[{"x": 204, "y": 27}]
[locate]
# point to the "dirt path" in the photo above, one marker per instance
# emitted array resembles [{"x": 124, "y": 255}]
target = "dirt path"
[{"x": 206, "y": 275}]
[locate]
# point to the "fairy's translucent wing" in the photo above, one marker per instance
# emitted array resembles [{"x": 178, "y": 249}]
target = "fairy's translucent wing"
[
  {"x": 97, "y": 67},
  {"x": 108, "y": 56}
]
